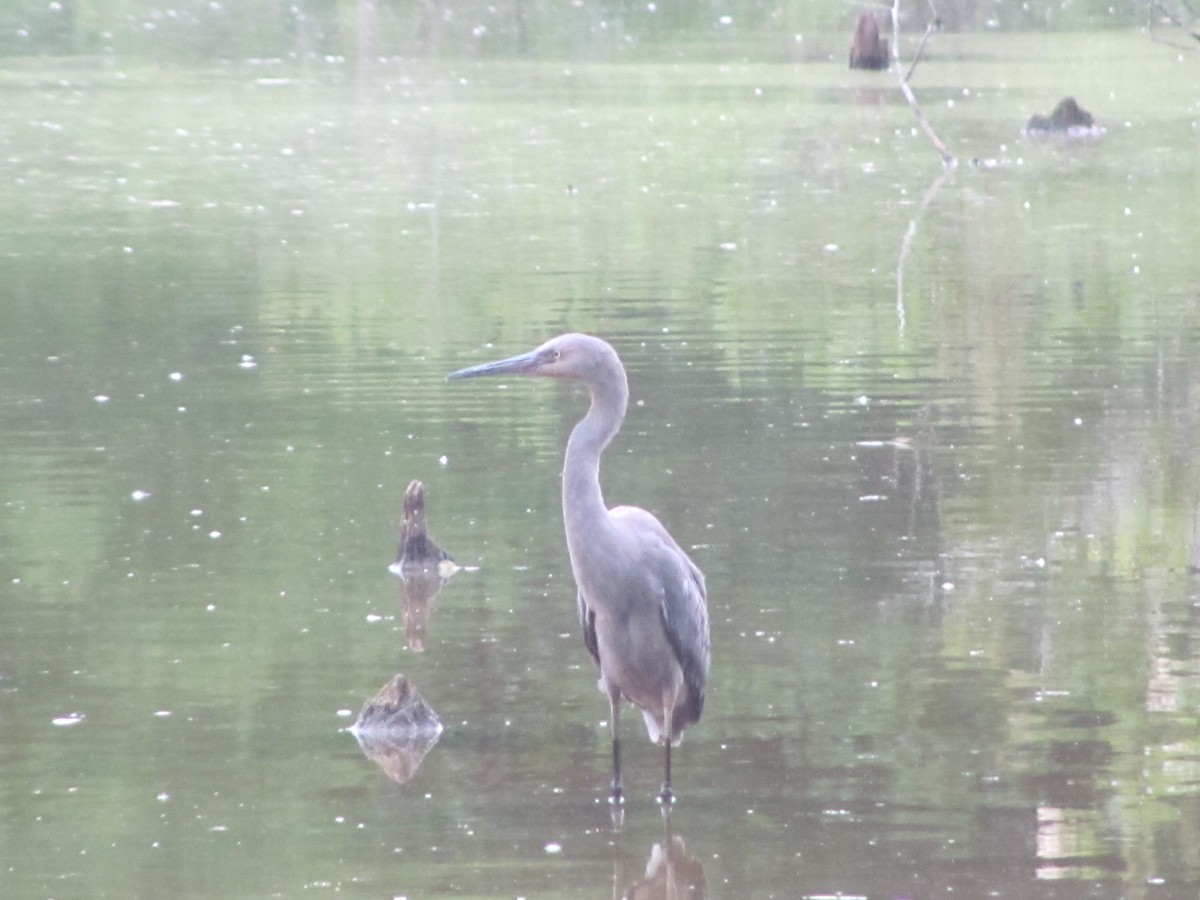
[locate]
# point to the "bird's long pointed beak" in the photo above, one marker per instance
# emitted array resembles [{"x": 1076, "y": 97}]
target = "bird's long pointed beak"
[{"x": 524, "y": 364}]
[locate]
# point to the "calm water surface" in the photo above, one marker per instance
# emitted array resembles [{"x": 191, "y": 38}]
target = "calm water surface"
[{"x": 932, "y": 441}]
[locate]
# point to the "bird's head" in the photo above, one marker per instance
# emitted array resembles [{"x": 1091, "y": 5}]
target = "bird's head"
[{"x": 579, "y": 356}]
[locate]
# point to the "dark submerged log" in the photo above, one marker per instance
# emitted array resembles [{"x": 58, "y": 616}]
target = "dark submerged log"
[
  {"x": 396, "y": 728},
  {"x": 1068, "y": 118}
]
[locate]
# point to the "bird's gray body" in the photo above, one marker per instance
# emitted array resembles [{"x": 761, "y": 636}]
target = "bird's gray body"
[
  {"x": 642, "y": 601},
  {"x": 649, "y": 633}
]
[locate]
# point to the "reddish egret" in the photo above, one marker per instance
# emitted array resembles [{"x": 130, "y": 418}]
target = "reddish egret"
[{"x": 641, "y": 599}]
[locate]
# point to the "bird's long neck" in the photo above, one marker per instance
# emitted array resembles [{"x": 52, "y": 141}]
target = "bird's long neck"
[{"x": 583, "y": 502}]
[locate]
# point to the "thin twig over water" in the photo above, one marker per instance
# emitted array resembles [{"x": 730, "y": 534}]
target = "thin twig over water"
[{"x": 947, "y": 157}]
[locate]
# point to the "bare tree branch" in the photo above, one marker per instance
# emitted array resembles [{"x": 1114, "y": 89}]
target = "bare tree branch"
[
  {"x": 920, "y": 49},
  {"x": 947, "y": 157}
]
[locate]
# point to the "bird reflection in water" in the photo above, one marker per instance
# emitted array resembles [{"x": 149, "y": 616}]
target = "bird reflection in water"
[
  {"x": 641, "y": 600},
  {"x": 396, "y": 728},
  {"x": 671, "y": 873},
  {"x": 422, "y": 565}
]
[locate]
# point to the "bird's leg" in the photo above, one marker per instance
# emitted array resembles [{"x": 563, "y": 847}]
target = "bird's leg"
[
  {"x": 665, "y": 797},
  {"x": 617, "y": 797}
]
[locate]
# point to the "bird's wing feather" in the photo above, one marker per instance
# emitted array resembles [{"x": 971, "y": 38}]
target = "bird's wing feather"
[
  {"x": 587, "y": 622},
  {"x": 685, "y": 616},
  {"x": 684, "y": 606}
]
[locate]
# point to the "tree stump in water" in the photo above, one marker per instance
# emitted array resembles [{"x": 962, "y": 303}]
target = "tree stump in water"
[
  {"x": 417, "y": 549},
  {"x": 422, "y": 565},
  {"x": 868, "y": 50}
]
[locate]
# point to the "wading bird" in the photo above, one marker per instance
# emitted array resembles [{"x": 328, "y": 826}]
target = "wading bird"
[{"x": 642, "y": 603}]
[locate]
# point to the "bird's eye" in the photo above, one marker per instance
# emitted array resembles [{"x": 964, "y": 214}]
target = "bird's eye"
[{"x": 557, "y": 354}]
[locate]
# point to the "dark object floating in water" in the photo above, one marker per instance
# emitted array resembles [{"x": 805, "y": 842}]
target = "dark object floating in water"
[
  {"x": 396, "y": 728},
  {"x": 398, "y": 707},
  {"x": 1068, "y": 118},
  {"x": 869, "y": 50},
  {"x": 417, "y": 550}
]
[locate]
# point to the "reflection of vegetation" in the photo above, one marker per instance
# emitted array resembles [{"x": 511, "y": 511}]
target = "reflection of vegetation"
[
  {"x": 199, "y": 29},
  {"x": 948, "y": 562}
]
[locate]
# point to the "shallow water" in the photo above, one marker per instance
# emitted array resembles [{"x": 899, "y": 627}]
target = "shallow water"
[{"x": 929, "y": 438}]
